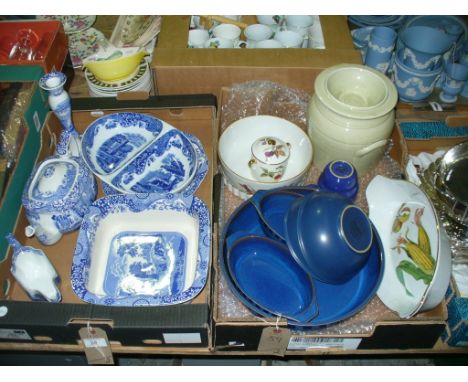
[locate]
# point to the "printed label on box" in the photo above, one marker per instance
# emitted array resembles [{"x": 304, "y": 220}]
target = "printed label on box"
[
  {"x": 303, "y": 343},
  {"x": 14, "y": 334},
  {"x": 94, "y": 342},
  {"x": 182, "y": 338}
]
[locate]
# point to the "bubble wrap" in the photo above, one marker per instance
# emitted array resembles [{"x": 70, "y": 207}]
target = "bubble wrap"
[
  {"x": 264, "y": 97},
  {"x": 14, "y": 97}
]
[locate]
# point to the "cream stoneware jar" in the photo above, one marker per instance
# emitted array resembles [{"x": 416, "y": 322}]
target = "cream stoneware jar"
[{"x": 351, "y": 116}]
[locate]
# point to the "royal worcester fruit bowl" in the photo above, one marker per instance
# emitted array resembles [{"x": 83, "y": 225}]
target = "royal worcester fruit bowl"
[
  {"x": 234, "y": 151},
  {"x": 417, "y": 249}
]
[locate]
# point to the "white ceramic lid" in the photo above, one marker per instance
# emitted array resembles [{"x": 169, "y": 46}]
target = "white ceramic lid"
[{"x": 356, "y": 91}]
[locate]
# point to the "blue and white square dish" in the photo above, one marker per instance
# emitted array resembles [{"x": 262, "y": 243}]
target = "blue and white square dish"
[
  {"x": 142, "y": 250},
  {"x": 138, "y": 153}
]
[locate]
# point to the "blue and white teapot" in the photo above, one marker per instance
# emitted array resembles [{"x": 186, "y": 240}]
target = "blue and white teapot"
[{"x": 57, "y": 196}]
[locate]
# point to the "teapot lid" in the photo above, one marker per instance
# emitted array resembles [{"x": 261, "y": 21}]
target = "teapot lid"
[{"x": 55, "y": 182}]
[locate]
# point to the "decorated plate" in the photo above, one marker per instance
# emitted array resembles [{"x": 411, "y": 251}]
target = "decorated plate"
[
  {"x": 84, "y": 44},
  {"x": 142, "y": 249},
  {"x": 410, "y": 233},
  {"x": 73, "y": 24},
  {"x": 138, "y": 153}
]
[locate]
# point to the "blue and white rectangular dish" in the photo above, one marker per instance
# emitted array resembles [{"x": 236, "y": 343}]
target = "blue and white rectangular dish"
[{"x": 142, "y": 250}]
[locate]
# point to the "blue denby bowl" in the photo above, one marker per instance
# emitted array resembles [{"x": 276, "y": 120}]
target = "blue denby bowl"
[{"x": 328, "y": 236}]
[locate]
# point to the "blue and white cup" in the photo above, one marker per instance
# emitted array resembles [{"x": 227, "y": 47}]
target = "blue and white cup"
[
  {"x": 361, "y": 37},
  {"x": 423, "y": 47},
  {"x": 414, "y": 85},
  {"x": 464, "y": 54},
  {"x": 380, "y": 48},
  {"x": 455, "y": 77}
]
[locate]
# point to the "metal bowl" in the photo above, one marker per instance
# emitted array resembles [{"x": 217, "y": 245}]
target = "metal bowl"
[{"x": 451, "y": 183}]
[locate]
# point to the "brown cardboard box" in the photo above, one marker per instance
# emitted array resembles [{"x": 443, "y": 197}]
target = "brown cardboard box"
[
  {"x": 146, "y": 328},
  {"x": 182, "y": 70},
  {"x": 441, "y": 120},
  {"x": 384, "y": 331}
]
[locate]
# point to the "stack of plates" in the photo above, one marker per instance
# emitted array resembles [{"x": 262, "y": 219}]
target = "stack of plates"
[
  {"x": 394, "y": 22},
  {"x": 139, "y": 80}
]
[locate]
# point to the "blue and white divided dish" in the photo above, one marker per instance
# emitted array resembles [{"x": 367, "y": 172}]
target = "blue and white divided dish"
[
  {"x": 142, "y": 250},
  {"x": 138, "y": 153},
  {"x": 194, "y": 183}
]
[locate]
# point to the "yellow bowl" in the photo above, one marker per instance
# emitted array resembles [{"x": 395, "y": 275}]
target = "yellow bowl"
[{"x": 115, "y": 69}]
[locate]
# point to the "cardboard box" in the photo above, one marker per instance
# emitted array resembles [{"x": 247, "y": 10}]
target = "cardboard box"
[
  {"x": 388, "y": 333},
  {"x": 181, "y": 326},
  {"x": 52, "y": 42},
  {"x": 28, "y": 145},
  {"x": 433, "y": 130},
  {"x": 182, "y": 70}
]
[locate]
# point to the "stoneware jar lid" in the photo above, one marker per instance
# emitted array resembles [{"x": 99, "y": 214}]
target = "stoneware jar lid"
[{"x": 356, "y": 91}]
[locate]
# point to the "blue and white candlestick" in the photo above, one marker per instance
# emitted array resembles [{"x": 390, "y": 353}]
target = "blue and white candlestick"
[{"x": 59, "y": 102}]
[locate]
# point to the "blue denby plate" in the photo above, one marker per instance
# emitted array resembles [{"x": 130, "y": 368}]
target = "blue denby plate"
[
  {"x": 142, "y": 249},
  {"x": 265, "y": 272},
  {"x": 335, "y": 302},
  {"x": 138, "y": 153}
]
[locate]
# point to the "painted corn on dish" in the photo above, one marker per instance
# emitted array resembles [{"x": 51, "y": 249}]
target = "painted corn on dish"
[{"x": 412, "y": 244}]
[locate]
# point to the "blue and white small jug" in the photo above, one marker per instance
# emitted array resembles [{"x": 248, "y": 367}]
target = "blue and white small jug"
[{"x": 34, "y": 272}]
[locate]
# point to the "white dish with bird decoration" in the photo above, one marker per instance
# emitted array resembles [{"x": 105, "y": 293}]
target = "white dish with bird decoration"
[{"x": 417, "y": 251}]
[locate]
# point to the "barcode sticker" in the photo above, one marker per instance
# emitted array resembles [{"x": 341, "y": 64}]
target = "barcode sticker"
[
  {"x": 14, "y": 334},
  {"x": 94, "y": 342},
  {"x": 303, "y": 343}
]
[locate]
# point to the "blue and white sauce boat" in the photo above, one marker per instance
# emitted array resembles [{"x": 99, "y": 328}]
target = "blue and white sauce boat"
[{"x": 34, "y": 272}]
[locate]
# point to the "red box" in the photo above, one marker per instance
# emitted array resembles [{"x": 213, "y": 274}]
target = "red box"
[{"x": 48, "y": 37}]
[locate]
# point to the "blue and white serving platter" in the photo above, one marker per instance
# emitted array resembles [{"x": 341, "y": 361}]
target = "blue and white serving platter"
[
  {"x": 142, "y": 250},
  {"x": 138, "y": 153},
  {"x": 194, "y": 183}
]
